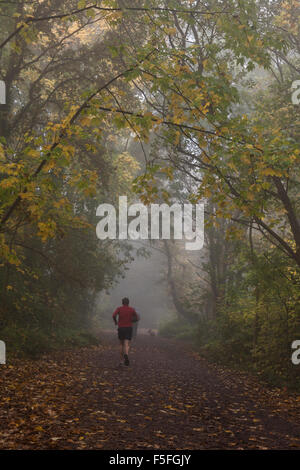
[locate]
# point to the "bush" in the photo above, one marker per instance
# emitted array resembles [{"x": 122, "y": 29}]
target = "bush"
[
  {"x": 177, "y": 328},
  {"x": 25, "y": 342},
  {"x": 30, "y": 342}
]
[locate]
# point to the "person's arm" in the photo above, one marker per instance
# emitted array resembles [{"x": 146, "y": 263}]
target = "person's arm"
[
  {"x": 136, "y": 316},
  {"x": 116, "y": 312}
]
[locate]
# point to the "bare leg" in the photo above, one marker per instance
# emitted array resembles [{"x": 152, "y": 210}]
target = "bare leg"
[
  {"x": 126, "y": 346},
  {"x": 122, "y": 349}
]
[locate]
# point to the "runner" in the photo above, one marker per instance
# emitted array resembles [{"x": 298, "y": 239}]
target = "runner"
[{"x": 126, "y": 316}]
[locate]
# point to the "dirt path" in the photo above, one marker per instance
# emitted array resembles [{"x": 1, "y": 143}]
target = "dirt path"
[{"x": 167, "y": 399}]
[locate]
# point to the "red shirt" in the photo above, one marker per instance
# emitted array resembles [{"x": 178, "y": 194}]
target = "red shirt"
[{"x": 126, "y": 314}]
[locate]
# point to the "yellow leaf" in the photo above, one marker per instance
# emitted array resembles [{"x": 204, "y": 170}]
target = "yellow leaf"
[{"x": 39, "y": 428}]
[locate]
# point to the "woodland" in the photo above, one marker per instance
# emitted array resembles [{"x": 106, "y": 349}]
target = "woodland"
[{"x": 169, "y": 101}]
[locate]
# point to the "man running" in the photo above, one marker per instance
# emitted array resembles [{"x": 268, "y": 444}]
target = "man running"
[{"x": 126, "y": 316}]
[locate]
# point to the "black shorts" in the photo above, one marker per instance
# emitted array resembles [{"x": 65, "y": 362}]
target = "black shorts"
[{"x": 125, "y": 332}]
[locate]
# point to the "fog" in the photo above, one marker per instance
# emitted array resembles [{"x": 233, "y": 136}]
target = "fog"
[{"x": 145, "y": 285}]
